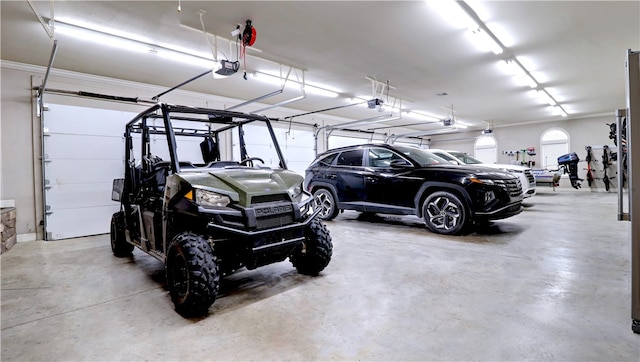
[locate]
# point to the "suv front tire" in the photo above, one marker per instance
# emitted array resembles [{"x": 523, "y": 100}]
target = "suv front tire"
[
  {"x": 323, "y": 198},
  {"x": 444, "y": 213}
]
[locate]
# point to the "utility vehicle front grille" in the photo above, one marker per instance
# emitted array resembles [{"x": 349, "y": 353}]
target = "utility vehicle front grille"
[
  {"x": 271, "y": 222},
  {"x": 269, "y": 198},
  {"x": 273, "y": 214}
]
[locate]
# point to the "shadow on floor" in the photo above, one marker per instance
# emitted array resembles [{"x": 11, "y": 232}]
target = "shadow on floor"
[{"x": 238, "y": 289}]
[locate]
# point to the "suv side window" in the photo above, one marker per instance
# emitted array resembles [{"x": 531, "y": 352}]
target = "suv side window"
[
  {"x": 350, "y": 158},
  {"x": 327, "y": 161},
  {"x": 382, "y": 157}
]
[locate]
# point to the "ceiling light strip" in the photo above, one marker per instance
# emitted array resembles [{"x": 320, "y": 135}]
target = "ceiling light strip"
[
  {"x": 485, "y": 38},
  {"x": 460, "y": 12}
]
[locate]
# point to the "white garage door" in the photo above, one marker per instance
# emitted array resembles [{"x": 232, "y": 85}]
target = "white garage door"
[
  {"x": 343, "y": 141},
  {"x": 84, "y": 152}
]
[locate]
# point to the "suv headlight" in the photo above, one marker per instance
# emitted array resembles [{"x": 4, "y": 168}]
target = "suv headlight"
[
  {"x": 208, "y": 198},
  {"x": 481, "y": 181},
  {"x": 485, "y": 181}
]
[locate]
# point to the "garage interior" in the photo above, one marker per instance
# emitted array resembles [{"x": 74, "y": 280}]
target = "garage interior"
[{"x": 560, "y": 281}]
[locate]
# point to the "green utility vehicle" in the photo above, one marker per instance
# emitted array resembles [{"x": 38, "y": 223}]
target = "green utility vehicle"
[{"x": 206, "y": 211}]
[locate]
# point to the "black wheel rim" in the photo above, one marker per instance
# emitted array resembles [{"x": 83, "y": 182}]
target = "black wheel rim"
[
  {"x": 113, "y": 236},
  {"x": 178, "y": 276}
]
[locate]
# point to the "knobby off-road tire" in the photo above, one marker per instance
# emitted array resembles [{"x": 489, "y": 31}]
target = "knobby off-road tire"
[
  {"x": 444, "y": 213},
  {"x": 324, "y": 200},
  {"x": 314, "y": 254},
  {"x": 192, "y": 274},
  {"x": 119, "y": 244}
]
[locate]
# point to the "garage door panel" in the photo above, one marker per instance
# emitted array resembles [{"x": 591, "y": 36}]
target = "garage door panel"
[
  {"x": 84, "y": 147},
  {"x": 342, "y": 141},
  {"x": 297, "y": 154},
  {"x": 85, "y": 221},
  {"x": 84, "y": 150},
  {"x": 69, "y": 196},
  {"x": 75, "y": 172},
  {"x": 298, "y": 167},
  {"x": 85, "y": 121}
]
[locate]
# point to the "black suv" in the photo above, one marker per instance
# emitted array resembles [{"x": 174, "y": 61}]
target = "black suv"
[{"x": 380, "y": 178}]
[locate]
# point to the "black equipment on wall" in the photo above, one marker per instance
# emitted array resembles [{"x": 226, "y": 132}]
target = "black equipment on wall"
[{"x": 569, "y": 163}]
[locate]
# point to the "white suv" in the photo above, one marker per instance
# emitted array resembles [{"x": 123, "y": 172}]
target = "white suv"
[{"x": 524, "y": 173}]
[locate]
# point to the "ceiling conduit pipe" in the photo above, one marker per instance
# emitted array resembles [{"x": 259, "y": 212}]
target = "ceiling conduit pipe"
[
  {"x": 279, "y": 104},
  {"x": 268, "y": 95},
  {"x": 157, "y": 97},
  {"x": 256, "y": 99},
  {"x": 331, "y": 128}
]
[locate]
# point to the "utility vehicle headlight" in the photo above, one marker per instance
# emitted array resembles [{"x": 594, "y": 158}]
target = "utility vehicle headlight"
[
  {"x": 210, "y": 198},
  {"x": 296, "y": 191}
]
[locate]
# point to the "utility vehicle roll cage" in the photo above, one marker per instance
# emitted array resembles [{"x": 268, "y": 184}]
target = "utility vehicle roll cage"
[{"x": 226, "y": 120}]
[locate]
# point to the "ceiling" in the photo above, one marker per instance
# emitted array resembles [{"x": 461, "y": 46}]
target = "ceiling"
[{"x": 574, "y": 49}]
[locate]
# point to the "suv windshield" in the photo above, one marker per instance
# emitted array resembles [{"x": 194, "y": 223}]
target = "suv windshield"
[
  {"x": 465, "y": 158},
  {"x": 422, "y": 156}
]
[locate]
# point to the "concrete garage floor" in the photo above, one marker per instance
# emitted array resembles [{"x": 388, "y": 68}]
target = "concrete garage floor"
[{"x": 552, "y": 283}]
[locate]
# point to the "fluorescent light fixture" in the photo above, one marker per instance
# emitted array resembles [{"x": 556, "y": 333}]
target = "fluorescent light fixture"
[
  {"x": 451, "y": 11},
  {"x": 486, "y": 42},
  {"x": 559, "y": 111},
  {"x": 186, "y": 58},
  {"x": 522, "y": 76},
  {"x": 315, "y": 89},
  {"x": 456, "y": 15},
  {"x": 133, "y": 43},
  {"x": 102, "y": 38},
  {"x": 422, "y": 116},
  {"x": 61, "y": 22},
  {"x": 320, "y": 91},
  {"x": 546, "y": 98}
]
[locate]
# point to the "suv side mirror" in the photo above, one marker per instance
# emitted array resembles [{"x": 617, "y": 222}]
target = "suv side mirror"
[{"x": 400, "y": 164}]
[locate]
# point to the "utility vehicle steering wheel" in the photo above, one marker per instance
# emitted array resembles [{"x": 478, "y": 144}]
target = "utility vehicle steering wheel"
[{"x": 249, "y": 161}]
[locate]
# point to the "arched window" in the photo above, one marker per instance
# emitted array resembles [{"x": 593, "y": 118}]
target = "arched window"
[
  {"x": 485, "y": 149},
  {"x": 554, "y": 143}
]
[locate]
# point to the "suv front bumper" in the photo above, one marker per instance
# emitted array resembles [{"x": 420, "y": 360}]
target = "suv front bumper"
[{"x": 501, "y": 213}]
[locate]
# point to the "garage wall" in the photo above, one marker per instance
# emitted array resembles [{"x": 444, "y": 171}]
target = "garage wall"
[
  {"x": 21, "y": 177},
  {"x": 582, "y": 132},
  {"x": 20, "y": 130},
  {"x": 16, "y": 152}
]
